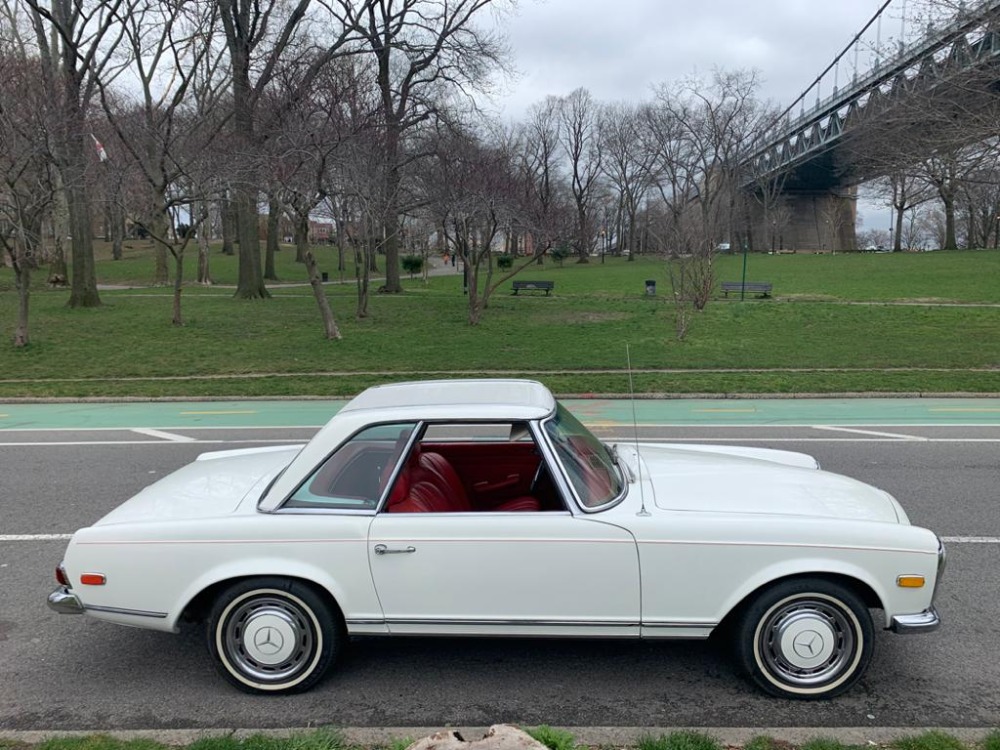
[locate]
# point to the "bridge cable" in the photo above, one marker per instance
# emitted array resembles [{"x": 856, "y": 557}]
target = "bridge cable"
[{"x": 836, "y": 60}]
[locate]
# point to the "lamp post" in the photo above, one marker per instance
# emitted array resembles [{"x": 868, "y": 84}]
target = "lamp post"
[
  {"x": 743, "y": 285},
  {"x": 603, "y": 241}
]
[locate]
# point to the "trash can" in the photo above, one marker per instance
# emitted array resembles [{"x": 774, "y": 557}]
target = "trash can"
[
  {"x": 324, "y": 276},
  {"x": 650, "y": 287}
]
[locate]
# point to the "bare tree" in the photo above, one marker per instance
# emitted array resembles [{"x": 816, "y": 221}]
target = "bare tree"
[
  {"x": 707, "y": 132},
  {"x": 167, "y": 139},
  {"x": 579, "y": 117},
  {"x": 26, "y": 190},
  {"x": 545, "y": 218},
  {"x": 425, "y": 51},
  {"x": 628, "y": 162},
  {"x": 78, "y": 43},
  {"x": 263, "y": 40},
  {"x": 473, "y": 191}
]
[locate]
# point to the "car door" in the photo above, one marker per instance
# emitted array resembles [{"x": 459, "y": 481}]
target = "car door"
[{"x": 513, "y": 573}]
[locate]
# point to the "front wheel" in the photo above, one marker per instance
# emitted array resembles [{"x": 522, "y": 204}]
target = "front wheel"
[
  {"x": 271, "y": 635},
  {"x": 806, "y": 638}
]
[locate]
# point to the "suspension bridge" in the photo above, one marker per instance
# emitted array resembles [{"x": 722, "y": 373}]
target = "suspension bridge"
[{"x": 811, "y": 154}]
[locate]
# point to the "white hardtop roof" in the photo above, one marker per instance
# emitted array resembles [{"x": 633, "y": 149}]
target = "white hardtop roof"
[
  {"x": 486, "y": 400},
  {"x": 518, "y": 396}
]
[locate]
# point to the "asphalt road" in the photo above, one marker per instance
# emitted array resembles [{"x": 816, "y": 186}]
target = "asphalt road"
[{"x": 61, "y": 672}]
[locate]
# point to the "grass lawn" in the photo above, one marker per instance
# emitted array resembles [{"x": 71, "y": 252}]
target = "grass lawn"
[{"x": 830, "y": 328}]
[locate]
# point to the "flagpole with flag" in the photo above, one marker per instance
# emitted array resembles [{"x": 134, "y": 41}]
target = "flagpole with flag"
[{"x": 102, "y": 155}]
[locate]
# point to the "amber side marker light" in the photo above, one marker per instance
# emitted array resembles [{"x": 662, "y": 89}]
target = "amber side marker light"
[
  {"x": 910, "y": 582},
  {"x": 93, "y": 579}
]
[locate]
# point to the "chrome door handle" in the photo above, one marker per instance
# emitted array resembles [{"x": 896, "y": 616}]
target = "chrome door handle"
[{"x": 381, "y": 549}]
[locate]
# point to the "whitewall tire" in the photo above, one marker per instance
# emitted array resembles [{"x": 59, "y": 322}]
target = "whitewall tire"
[
  {"x": 272, "y": 635},
  {"x": 806, "y": 639}
]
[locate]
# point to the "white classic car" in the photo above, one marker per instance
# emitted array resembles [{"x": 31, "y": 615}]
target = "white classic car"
[{"x": 483, "y": 507}]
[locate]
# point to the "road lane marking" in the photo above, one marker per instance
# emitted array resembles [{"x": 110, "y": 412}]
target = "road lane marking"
[
  {"x": 873, "y": 433},
  {"x": 724, "y": 411},
  {"x": 971, "y": 539},
  {"x": 34, "y": 537},
  {"x": 161, "y": 435},
  {"x": 971, "y": 410},
  {"x": 154, "y": 443},
  {"x": 198, "y": 413}
]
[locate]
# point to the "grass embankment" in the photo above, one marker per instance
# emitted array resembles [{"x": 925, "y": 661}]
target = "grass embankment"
[
  {"x": 829, "y": 329},
  {"x": 553, "y": 739}
]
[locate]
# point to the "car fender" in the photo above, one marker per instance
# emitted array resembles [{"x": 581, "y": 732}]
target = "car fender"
[
  {"x": 801, "y": 568},
  {"x": 270, "y": 566}
]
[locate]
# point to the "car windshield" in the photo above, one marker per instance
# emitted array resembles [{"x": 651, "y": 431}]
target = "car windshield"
[{"x": 587, "y": 462}]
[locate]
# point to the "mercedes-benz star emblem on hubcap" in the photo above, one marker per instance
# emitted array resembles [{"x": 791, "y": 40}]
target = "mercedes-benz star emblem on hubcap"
[
  {"x": 807, "y": 644},
  {"x": 268, "y": 641}
]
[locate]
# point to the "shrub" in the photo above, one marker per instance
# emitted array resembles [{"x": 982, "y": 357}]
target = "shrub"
[
  {"x": 412, "y": 264},
  {"x": 505, "y": 261}
]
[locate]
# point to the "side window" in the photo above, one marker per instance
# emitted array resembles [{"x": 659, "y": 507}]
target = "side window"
[
  {"x": 469, "y": 467},
  {"x": 357, "y": 473}
]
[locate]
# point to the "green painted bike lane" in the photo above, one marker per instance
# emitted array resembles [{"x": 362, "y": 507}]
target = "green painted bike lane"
[{"x": 606, "y": 412}]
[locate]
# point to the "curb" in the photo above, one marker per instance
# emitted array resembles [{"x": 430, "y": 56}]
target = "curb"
[{"x": 588, "y": 736}]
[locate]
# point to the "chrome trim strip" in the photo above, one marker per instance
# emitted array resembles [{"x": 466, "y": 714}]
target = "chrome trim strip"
[
  {"x": 923, "y": 622},
  {"x": 130, "y": 612},
  {"x": 283, "y": 511},
  {"x": 526, "y": 622},
  {"x": 667, "y": 624},
  {"x": 375, "y": 621}
]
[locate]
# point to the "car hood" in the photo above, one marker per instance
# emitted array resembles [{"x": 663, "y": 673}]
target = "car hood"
[
  {"x": 213, "y": 485},
  {"x": 689, "y": 478}
]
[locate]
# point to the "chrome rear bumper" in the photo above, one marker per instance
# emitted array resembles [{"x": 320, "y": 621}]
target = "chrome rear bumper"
[
  {"x": 924, "y": 622},
  {"x": 65, "y": 602}
]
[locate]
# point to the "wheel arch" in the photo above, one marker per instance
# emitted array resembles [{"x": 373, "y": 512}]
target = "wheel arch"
[
  {"x": 198, "y": 606},
  {"x": 856, "y": 584}
]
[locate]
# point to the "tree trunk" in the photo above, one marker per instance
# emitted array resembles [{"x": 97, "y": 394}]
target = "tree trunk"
[
  {"x": 159, "y": 229},
  {"x": 950, "y": 233},
  {"x": 273, "y": 217},
  {"x": 301, "y": 237},
  {"x": 58, "y": 272},
  {"x": 117, "y": 220},
  {"x": 250, "y": 283},
  {"x": 178, "y": 281},
  {"x": 83, "y": 291},
  {"x": 22, "y": 279},
  {"x": 363, "y": 276},
  {"x": 228, "y": 221},
  {"x": 329, "y": 323},
  {"x": 897, "y": 243},
  {"x": 341, "y": 239},
  {"x": 393, "y": 283},
  {"x": 204, "y": 274}
]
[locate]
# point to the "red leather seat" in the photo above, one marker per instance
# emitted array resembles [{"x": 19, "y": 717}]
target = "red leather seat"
[
  {"x": 435, "y": 469},
  {"x": 429, "y": 484}
]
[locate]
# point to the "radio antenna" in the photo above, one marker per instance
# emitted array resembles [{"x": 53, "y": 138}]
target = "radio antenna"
[{"x": 635, "y": 431}]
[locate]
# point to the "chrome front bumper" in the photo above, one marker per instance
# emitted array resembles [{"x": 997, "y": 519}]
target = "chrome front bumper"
[
  {"x": 923, "y": 622},
  {"x": 65, "y": 602}
]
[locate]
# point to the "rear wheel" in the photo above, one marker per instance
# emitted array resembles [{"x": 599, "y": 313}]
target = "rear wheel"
[
  {"x": 272, "y": 635},
  {"x": 806, "y": 638}
]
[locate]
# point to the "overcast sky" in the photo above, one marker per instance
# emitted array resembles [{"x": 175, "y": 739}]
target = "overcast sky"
[{"x": 619, "y": 49}]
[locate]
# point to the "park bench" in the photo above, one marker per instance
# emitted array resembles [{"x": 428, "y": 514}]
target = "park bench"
[
  {"x": 538, "y": 286},
  {"x": 762, "y": 288}
]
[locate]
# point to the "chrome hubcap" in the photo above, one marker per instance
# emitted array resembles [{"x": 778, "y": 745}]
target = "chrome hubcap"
[
  {"x": 807, "y": 641},
  {"x": 269, "y": 639}
]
